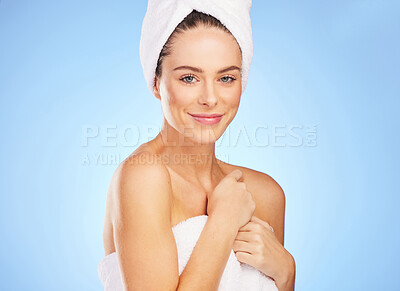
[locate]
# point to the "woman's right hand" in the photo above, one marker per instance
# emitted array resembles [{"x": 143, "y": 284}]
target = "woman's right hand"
[{"x": 231, "y": 202}]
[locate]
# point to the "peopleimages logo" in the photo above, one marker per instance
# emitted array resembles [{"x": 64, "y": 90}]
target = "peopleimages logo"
[{"x": 103, "y": 144}]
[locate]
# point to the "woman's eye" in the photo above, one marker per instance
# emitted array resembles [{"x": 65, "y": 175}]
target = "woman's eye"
[
  {"x": 227, "y": 78},
  {"x": 188, "y": 79}
]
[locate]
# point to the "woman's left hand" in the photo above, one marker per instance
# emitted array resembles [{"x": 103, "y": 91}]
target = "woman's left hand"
[{"x": 257, "y": 245}]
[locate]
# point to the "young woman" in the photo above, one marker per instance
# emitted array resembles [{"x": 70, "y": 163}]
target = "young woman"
[{"x": 173, "y": 198}]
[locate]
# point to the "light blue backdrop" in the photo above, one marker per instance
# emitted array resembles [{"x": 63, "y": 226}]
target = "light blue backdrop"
[{"x": 323, "y": 93}]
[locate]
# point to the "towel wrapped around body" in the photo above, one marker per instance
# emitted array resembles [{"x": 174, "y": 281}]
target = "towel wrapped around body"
[{"x": 237, "y": 276}]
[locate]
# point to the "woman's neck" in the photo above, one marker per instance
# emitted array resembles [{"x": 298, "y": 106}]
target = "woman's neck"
[{"x": 192, "y": 160}]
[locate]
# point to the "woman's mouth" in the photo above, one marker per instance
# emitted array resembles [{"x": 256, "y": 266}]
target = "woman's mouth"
[{"x": 207, "y": 119}]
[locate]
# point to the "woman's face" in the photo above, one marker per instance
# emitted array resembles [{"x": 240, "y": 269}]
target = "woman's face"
[{"x": 204, "y": 88}]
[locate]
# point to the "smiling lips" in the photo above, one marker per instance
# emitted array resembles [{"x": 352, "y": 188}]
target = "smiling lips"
[{"x": 207, "y": 119}]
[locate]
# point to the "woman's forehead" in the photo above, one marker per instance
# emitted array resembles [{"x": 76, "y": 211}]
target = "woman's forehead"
[
  {"x": 204, "y": 36},
  {"x": 204, "y": 50}
]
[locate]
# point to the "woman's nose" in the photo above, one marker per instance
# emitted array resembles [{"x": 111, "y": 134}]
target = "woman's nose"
[{"x": 208, "y": 95}]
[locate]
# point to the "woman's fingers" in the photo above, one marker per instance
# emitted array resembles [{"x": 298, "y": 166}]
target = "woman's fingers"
[
  {"x": 239, "y": 245},
  {"x": 253, "y": 225},
  {"x": 244, "y": 236},
  {"x": 245, "y": 257},
  {"x": 266, "y": 224}
]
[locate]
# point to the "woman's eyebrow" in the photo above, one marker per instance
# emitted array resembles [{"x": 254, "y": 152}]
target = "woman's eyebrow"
[{"x": 198, "y": 70}]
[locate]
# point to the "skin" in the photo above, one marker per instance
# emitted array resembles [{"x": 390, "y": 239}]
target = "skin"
[{"x": 190, "y": 147}]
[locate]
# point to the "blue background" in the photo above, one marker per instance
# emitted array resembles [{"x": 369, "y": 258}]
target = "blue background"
[{"x": 331, "y": 67}]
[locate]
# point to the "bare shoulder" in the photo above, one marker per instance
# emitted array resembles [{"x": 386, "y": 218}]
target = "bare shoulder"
[
  {"x": 128, "y": 186},
  {"x": 141, "y": 212},
  {"x": 142, "y": 169},
  {"x": 142, "y": 181},
  {"x": 263, "y": 184},
  {"x": 268, "y": 195},
  {"x": 142, "y": 163}
]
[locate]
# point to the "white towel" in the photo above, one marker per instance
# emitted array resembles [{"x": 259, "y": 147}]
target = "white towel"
[
  {"x": 237, "y": 276},
  {"x": 162, "y": 17}
]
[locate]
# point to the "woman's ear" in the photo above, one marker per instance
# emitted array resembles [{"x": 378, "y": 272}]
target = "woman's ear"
[{"x": 156, "y": 88}]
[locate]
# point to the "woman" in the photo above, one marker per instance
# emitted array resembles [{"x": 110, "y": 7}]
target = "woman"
[{"x": 177, "y": 218}]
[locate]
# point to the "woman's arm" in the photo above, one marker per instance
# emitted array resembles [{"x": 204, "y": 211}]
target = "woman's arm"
[
  {"x": 266, "y": 249},
  {"x": 286, "y": 278},
  {"x": 210, "y": 255},
  {"x": 274, "y": 208},
  {"x": 144, "y": 239}
]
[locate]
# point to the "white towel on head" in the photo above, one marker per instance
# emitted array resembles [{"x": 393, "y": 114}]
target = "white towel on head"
[{"x": 162, "y": 17}]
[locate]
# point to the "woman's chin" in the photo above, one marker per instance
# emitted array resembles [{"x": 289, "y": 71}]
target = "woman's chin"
[
  {"x": 200, "y": 134},
  {"x": 206, "y": 136}
]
